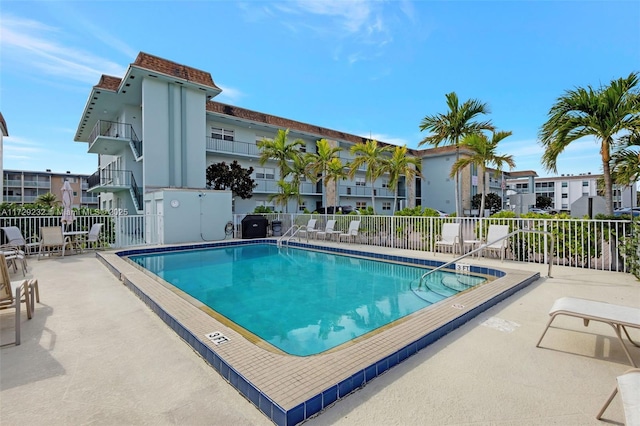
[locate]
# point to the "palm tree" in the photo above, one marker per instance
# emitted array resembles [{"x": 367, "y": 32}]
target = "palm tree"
[
  {"x": 335, "y": 171},
  {"x": 48, "y": 199},
  {"x": 398, "y": 165},
  {"x": 319, "y": 163},
  {"x": 457, "y": 123},
  {"x": 288, "y": 190},
  {"x": 602, "y": 113},
  {"x": 626, "y": 161},
  {"x": 368, "y": 154},
  {"x": 299, "y": 169},
  {"x": 483, "y": 154},
  {"x": 280, "y": 150}
]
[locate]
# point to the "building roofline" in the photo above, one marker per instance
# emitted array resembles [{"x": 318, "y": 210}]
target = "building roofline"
[{"x": 5, "y": 131}]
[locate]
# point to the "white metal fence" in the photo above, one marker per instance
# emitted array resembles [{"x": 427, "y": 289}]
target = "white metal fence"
[
  {"x": 583, "y": 243},
  {"x": 117, "y": 231}
]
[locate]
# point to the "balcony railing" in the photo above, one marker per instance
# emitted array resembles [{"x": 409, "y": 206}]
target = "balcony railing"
[
  {"x": 233, "y": 147},
  {"x": 365, "y": 191},
  {"x": 114, "y": 130},
  {"x": 110, "y": 178}
]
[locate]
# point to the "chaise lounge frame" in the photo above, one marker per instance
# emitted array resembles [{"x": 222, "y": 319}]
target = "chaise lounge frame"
[{"x": 617, "y": 316}]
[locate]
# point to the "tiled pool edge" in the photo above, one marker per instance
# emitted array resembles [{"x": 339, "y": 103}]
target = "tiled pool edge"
[{"x": 329, "y": 396}]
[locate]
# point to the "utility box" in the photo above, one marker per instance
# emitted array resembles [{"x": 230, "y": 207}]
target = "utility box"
[{"x": 254, "y": 226}]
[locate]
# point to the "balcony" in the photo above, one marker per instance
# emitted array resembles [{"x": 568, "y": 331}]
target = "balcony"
[
  {"x": 110, "y": 137},
  {"x": 221, "y": 146},
  {"x": 110, "y": 180},
  {"x": 365, "y": 191}
]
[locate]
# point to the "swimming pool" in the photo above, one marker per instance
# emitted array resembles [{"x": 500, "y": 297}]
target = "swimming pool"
[
  {"x": 289, "y": 389},
  {"x": 300, "y": 301}
]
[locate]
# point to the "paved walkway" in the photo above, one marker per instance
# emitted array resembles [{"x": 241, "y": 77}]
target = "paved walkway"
[{"x": 95, "y": 354}]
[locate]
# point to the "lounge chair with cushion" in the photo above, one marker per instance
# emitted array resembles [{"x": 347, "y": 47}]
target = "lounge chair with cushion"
[
  {"x": 329, "y": 230},
  {"x": 12, "y": 295},
  {"x": 352, "y": 232},
  {"x": 52, "y": 241},
  {"x": 449, "y": 238},
  {"x": 628, "y": 385},
  {"x": 617, "y": 316},
  {"x": 496, "y": 241}
]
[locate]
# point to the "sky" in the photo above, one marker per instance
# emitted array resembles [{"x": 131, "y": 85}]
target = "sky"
[{"x": 372, "y": 68}]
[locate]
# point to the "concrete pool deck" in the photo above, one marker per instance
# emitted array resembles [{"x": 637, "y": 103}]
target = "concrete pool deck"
[{"x": 95, "y": 353}]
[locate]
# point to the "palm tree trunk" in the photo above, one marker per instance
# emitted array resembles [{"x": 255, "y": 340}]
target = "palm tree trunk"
[
  {"x": 373, "y": 196},
  {"x": 457, "y": 190},
  {"x": 395, "y": 199},
  {"x": 481, "y": 214}
]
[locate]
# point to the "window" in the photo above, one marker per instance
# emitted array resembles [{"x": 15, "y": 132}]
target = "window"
[
  {"x": 302, "y": 206},
  {"x": 268, "y": 204},
  {"x": 224, "y": 134},
  {"x": 360, "y": 181},
  {"x": 385, "y": 184},
  {"x": 585, "y": 183},
  {"x": 585, "y": 194},
  {"x": 386, "y": 205},
  {"x": 264, "y": 173},
  {"x": 565, "y": 195},
  {"x": 565, "y": 184},
  {"x": 361, "y": 205}
]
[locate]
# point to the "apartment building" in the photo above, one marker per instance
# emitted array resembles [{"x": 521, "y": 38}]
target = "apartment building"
[
  {"x": 158, "y": 127},
  {"x": 24, "y": 187},
  {"x": 565, "y": 189}
]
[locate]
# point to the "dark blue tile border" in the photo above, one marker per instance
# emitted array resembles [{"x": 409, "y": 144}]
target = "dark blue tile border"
[{"x": 317, "y": 403}]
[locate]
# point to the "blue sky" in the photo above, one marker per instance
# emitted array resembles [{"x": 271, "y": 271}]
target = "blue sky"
[{"x": 371, "y": 68}]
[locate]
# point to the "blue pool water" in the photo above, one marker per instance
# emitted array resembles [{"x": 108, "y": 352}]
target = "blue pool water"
[{"x": 300, "y": 301}]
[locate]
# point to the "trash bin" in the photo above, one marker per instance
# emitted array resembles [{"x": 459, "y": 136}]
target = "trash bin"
[{"x": 276, "y": 228}]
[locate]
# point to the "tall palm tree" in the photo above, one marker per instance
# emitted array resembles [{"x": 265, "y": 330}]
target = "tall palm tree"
[
  {"x": 319, "y": 163},
  {"x": 298, "y": 169},
  {"x": 602, "y": 113},
  {"x": 483, "y": 154},
  {"x": 450, "y": 127},
  {"x": 280, "y": 150},
  {"x": 335, "y": 172},
  {"x": 398, "y": 165},
  {"x": 369, "y": 154}
]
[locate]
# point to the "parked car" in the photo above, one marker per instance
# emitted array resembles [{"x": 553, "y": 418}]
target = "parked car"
[
  {"x": 441, "y": 213},
  {"x": 337, "y": 209},
  {"x": 539, "y": 211},
  {"x": 628, "y": 211}
]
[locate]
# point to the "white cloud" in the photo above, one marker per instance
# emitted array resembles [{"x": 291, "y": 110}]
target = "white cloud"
[
  {"x": 18, "y": 148},
  {"x": 381, "y": 137},
  {"x": 229, "y": 95},
  {"x": 35, "y": 45}
]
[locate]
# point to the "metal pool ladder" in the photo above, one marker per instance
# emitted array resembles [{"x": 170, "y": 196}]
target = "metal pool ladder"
[
  {"x": 288, "y": 235},
  {"x": 517, "y": 231}
]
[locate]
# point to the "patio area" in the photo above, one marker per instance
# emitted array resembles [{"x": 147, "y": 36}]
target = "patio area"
[{"x": 94, "y": 353}]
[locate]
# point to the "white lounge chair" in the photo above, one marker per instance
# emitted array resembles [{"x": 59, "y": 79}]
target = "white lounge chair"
[
  {"x": 629, "y": 387},
  {"x": 308, "y": 230},
  {"x": 94, "y": 236},
  {"x": 329, "y": 230},
  {"x": 52, "y": 240},
  {"x": 12, "y": 295},
  {"x": 352, "y": 232},
  {"x": 449, "y": 238},
  {"x": 617, "y": 316},
  {"x": 14, "y": 238},
  {"x": 496, "y": 241}
]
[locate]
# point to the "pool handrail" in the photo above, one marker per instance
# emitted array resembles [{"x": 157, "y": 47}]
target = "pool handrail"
[
  {"x": 517, "y": 231},
  {"x": 293, "y": 229}
]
